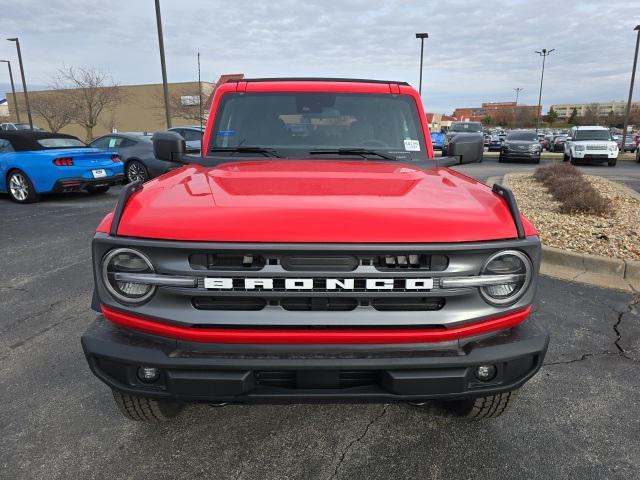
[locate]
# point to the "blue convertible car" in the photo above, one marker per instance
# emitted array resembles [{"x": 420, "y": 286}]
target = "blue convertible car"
[
  {"x": 33, "y": 163},
  {"x": 437, "y": 140}
]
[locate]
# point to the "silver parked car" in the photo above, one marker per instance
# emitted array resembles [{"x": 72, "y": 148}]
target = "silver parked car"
[
  {"x": 136, "y": 151},
  {"x": 192, "y": 135}
]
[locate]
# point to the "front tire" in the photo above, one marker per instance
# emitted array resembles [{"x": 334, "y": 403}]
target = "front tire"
[
  {"x": 144, "y": 409},
  {"x": 136, "y": 170},
  {"x": 20, "y": 188},
  {"x": 491, "y": 406},
  {"x": 612, "y": 162}
]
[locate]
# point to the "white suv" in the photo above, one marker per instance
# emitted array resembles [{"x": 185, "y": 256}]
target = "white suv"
[{"x": 591, "y": 144}]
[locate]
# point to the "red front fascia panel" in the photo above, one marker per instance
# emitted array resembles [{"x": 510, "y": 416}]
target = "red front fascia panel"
[{"x": 325, "y": 337}]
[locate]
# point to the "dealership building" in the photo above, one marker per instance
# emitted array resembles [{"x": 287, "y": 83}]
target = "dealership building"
[
  {"x": 140, "y": 109},
  {"x": 564, "y": 110},
  {"x": 492, "y": 109}
]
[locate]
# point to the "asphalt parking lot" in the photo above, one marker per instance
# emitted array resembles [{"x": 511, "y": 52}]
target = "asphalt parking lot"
[{"x": 578, "y": 418}]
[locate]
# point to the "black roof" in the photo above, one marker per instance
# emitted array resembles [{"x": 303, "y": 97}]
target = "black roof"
[
  {"x": 313, "y": 79},
  {"x": 26, "y": 140}
]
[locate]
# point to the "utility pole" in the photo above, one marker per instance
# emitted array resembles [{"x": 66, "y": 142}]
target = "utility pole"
[
  {"x": 165, "y": 87},
  {"x": 24, "y": 82},
  {"x": 421, "y": 36},
  {"x": 13, "y": 90},
  {"x": 633, "y": 78},
  {"x": 544, "y": 54},
  {"x": 518, "y": 90}
]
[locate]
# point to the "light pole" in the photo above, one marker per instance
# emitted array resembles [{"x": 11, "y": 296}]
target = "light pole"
[
  {"x": 13, "y": 90},
  {"x": 421, "y": 36},
  {"x": 633, "y": 78},
  {"x": 544, "y": 54},
  {"x": 165, "y": 87},
  {"x": 24, "y": 82},
  {"x": 518, "y": 90}
]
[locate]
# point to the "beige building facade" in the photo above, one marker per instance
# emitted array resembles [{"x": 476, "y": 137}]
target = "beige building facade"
[
  {"x": 564, "y": 110},
  {"x": 140, "y": 108}
]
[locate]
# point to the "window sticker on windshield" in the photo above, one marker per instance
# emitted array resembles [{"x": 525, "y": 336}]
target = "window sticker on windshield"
[
  {"x": 411, "y": 145},
  {"x": 112, "y": 142},
  {"x": 226, "y": 133}
]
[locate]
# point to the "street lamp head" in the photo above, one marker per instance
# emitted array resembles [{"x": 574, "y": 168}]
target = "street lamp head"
[
  {"x": 13, "y": 39},
  {"x": 5, "y": 61},
  {"x": 637, "y": 28},
  {"x": 422, "y": 35}
]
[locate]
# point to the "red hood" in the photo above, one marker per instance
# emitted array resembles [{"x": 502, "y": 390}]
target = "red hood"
[{"x": 317, "y": 201}]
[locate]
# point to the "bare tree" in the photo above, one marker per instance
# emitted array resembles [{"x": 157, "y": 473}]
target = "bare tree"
[
  {"x": 184, "y": 102},
  {"x": 591, "y": 115},
  {"x": 90, "y": 92},
  {"x": 54, "y": 107}
]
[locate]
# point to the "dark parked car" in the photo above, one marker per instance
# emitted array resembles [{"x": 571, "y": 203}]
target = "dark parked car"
[
  {"x": 136, "y": 151},
  {"x": 547, "y": 142},
  {"x": 191, "y": 134},
  {"x": 495, "y": 143},
  {"x": 557, "y": 144},
  {"x": 521, "y": 145},
  {"x": 629, "y": 143}
]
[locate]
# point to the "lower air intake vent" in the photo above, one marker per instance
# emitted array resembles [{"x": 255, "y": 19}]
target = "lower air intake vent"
[
  {"x": 229, "y": 303},
  {"x": 407, "y": 304},
  {"x": 333, "y": 379},
  {"x": 319, "y": 304}
]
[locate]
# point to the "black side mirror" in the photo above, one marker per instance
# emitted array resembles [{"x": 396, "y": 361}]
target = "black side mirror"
[
  {"x": 468, "y": 146},
  {"x": 169, "y": 146}
]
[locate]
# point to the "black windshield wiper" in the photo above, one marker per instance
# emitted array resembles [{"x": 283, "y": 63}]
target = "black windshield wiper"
[
  {"x": 267, "y": 152},
  {"x": 363, "y": 152}
]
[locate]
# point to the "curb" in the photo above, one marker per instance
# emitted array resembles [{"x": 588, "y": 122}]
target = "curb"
[{"x": 587, "y": 268}]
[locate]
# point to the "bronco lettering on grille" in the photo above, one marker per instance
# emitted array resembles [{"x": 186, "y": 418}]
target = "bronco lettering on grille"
[{"x": 318, "y": 284}]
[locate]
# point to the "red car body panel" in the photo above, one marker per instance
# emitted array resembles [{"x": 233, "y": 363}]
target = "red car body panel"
[{"x": 317, "y": 201}]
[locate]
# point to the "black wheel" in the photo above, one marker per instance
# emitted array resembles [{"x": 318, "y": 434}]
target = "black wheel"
[
  {"x": 144, "y": 409},
  {"x": 571, "y": 160},
  {"x": 100, "y": 189},
  {"x": 500, "y": 159},
  {"x": 20, "y": 188},
  {"x": 136, "y": 170},
  {"x": 480, "y": 408},
  {"x": 612, "y": 162},
  {"x": 565, "y": 157}
]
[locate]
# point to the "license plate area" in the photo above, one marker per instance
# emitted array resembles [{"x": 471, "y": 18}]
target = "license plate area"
[{"x": 99, "y": 173}]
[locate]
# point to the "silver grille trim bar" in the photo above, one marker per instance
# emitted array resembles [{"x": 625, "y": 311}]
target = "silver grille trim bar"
[
  {"x": 154, "y": 279},
  {"x": 478, "y": 281}
]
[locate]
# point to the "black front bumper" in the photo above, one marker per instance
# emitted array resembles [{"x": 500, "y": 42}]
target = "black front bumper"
[
  {"x": 76, "y": 184},
  {"x": 520, "y": 156},
  {"x": 312, "y": 373}
]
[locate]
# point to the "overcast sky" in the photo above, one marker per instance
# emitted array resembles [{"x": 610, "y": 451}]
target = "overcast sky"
[{"x": 477, "y": 51}]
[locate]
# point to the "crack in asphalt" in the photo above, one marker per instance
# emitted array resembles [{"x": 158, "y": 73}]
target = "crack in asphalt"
[
  {"x": 620, "y": 351},
  {"x": 631, "y": 308},
  {"x": 357, "y": 440}
]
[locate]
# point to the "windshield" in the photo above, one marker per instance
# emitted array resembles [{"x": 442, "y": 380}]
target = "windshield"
[
  {"x": 466, "y": 127},
  {"x": 295, "y": 124},
  {"x": 522, "y": 136},
  {"x": 592, "y": 135},
  {"x": 61, "y": 142}
]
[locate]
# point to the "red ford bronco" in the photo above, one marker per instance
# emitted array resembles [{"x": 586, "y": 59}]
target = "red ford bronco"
[{"x": 316, "y": 251}]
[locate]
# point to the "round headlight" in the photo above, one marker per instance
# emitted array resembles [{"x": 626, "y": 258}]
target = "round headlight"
[
  {"x": 517, "y": 266},
  {"x": 126, "y": 260}
]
